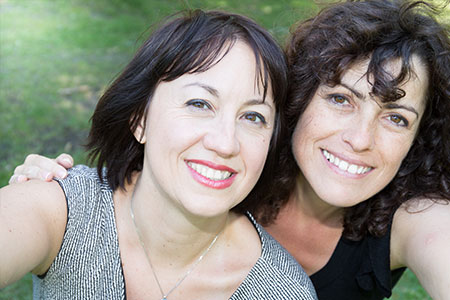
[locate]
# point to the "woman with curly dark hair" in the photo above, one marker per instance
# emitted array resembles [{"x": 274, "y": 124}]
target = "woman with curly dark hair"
[{"x": 363, "y": 181}]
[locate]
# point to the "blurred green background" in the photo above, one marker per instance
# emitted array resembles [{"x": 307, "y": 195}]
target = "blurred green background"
[{"x": 57, "y": 57}]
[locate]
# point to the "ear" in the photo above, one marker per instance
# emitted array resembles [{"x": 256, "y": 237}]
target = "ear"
[{"x": 139, "y": 133}]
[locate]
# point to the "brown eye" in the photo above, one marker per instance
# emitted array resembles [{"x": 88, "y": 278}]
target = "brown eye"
[
  {"x": 398, "y": 120},
  {"x": 198, "y": 103},
  {"x": 251, "y": 118},
  {"x": 339, "y": 99},
  {"x": 254, "y": 117}
]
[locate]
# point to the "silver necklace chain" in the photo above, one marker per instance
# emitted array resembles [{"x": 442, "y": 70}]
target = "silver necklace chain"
[{"x": 199, "y": 259}]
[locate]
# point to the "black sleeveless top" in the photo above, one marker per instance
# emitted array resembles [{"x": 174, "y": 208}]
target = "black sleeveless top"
[{"x": 358, "y": 270}]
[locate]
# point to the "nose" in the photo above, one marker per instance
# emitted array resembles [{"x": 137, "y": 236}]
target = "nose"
[
  {"x": 360, "y": 135},
  {"x": 221, "y": 138}
]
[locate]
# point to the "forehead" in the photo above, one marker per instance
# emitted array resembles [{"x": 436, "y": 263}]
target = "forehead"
[
  {"x": 235, "y": 72},
  {"x": 415, "y": 85}
]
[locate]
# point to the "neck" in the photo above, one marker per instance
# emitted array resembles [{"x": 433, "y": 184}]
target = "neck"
[
  {"x": 169, "y": 233},
  {"x": 305, "y": 200}
]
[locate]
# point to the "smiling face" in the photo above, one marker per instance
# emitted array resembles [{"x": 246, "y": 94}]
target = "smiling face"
[
  {"x": 207, "y": 136},
  {"x": 350, "y": 145}
]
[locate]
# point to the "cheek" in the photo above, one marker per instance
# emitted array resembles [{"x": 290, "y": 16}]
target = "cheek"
[
  {"x": 302, "y": 133},
  {"x": 170, "y": 127},
  {"x": 165, "y": 142},
  {"x": 394, "y": 151},
  {"x": 254, "y": 150}
]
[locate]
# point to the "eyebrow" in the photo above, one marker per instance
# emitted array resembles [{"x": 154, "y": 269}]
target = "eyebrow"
[
  {"x": 357, "y": 94},
  {"x": 390, "y": 105},
  {"x": 216, "y": 93},
  {"x": 208, "y": 88},
  {"x": 260, "y": 102}
]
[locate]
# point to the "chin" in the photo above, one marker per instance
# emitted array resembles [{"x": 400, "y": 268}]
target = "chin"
[
  {"x": 346, "y": 203},
  {"x": 342, "y": 200},
  {"x": 208, "y": 210}
]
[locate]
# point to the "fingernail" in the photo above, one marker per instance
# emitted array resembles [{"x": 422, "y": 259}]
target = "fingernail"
[
  {"x": 67, "y": 161},
  {"x": 46, "y": 176},
  {"x": 22, "y": 178},
  {"x": 61, "y": 174}
]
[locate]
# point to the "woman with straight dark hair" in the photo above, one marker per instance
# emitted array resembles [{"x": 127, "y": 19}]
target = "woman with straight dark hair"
[
  {"x": 180, "y": 138},
  {"x": 362, "y": 185}
]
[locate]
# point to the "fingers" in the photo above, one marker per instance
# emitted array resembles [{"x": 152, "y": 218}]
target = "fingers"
[
  {"x": 28, "y": 171},
  {"x": 43, "y": 168},
  {"x": 17, "y": 179},
  {"x": 65, "y": 160}
]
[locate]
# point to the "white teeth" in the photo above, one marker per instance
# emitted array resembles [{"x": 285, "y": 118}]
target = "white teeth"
[
  {"x": 352, "y": 169},
  {"x": 360, "y": 169},
  {"x": 209, "y": 173},
  {"x": 344, "y": 165},
  {"x": 331, "y": 159}
]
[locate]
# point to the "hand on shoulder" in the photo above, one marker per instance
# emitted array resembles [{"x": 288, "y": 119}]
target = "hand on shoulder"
[{"x": 40, "y": 167}]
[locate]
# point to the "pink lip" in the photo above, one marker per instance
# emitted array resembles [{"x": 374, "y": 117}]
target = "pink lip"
[
  {"x": 219, "y": 184},
  {"x": 213, "y": 165}
]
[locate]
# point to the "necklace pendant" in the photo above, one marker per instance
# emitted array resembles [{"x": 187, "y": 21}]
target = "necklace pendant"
[{"x": 164, "y": 298}]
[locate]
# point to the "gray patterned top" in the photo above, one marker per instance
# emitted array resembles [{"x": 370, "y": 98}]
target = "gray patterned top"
[{"x": 88, "y": 264}]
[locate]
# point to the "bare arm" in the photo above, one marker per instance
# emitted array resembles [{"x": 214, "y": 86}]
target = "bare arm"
[
  {"x": 32, "y": 223},
  {"x": 421, "y": 241},
  {"x": 43, "y": 168}
]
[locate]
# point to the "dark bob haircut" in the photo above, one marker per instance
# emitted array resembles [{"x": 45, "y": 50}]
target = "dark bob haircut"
[
  {"x": 322, "y": 48},
  {"x": 189, "y": 42}
]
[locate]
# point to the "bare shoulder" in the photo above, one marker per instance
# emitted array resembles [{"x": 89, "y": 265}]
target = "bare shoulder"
[
  {"x": 32, "y": 222},
  {"x": 38, "y": 198},
  {"x": 421, "y": 241},
  {"x": 422, "y": 216},
  {"x": 32, "y": 186}
]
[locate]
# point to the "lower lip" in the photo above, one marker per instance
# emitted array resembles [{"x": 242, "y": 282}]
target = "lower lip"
[
  {"x": 215, "y": 184},
  {"x": 342, "y": 172}
]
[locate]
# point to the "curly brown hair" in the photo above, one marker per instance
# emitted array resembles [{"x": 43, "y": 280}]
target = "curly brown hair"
[{"x": 322, "y": 48}]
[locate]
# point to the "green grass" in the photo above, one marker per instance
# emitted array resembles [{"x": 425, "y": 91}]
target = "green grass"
[
  {"x": 57, "y": 56},
  {"x": 20, "y": 290},
  {"x": 407, "y": 288}
]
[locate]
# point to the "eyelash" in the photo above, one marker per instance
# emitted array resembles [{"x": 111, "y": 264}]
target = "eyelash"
[
  {"x": 402, "y": 119},
  {"x": 333, "y": 97},
  {"x": 202, "y": 105},
  {"x": 196, "y": 102},
  {"x": 257, "y": 115}
]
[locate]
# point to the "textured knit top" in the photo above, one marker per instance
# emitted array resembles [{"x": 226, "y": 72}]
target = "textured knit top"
[
  {"x": 88, "y": 265},
  {"x": 358, "y": 270}
]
